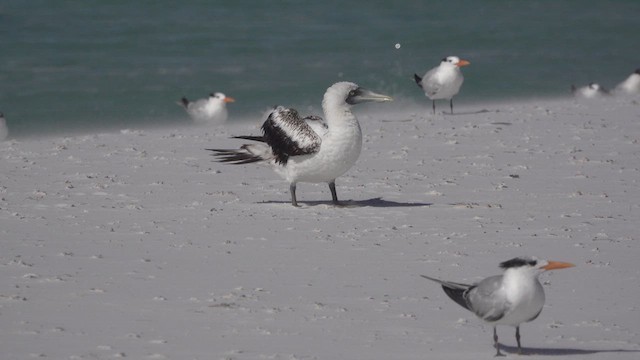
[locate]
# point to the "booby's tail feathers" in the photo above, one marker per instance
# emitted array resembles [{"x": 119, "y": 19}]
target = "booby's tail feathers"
[
  {"x": 248, "y": 153},
  {"x": 250, "y": 137}
]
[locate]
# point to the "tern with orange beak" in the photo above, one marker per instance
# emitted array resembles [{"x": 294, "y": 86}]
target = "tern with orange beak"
[
  {"x": 511, "y": 299},
  {"x": 210, "y": 110},
  {"x": 443, "y": 81}
]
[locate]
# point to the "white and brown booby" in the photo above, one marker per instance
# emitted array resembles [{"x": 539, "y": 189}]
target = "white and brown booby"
[{"x": 309, "y": 149}]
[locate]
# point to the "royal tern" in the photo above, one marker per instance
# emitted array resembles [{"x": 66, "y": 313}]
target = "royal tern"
[
  {"x": 309, "y": 149},
  {"x": 631, "y": 85},
  {"x": 591, "y": 91},
  {"x": 509, "y": 299},
  {"x": 4, "y": 129},
  {"x": 443, "y": 81},
  {"x": 210, "y": 110}
]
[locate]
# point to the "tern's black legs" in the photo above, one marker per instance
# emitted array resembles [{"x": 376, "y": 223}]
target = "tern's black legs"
[
  {"x": 292, "y": 190},
  {"x": 496, "y": 343},
  {"x": 518, "y": 339},
  {"x": 433, "y": 105}
]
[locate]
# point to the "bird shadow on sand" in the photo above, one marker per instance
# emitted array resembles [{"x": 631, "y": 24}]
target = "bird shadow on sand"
[
  {"x": 373, "y": 202},
  {"x": 561, "y": 351},
  {"x": 476, "y": 112}
]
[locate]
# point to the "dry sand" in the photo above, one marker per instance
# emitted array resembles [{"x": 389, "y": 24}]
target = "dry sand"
[{"x": 135, "y": 244}]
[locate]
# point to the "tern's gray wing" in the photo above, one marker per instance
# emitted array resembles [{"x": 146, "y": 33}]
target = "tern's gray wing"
[
  {"x": 486, "y": 300},
  {"x": 456, "y": 291},
  {"x": 289, "y": 135},
  {"x": 430, "y": 84}
]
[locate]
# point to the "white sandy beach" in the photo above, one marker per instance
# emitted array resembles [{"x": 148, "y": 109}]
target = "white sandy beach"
[{"x": 135, "y": 244}]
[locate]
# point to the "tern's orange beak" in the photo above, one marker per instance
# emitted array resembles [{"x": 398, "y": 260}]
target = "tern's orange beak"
[
  {"x": 554, "y": 265},
  {"x": 229, "y": 99},
  {"x": 462, "y": 63}
]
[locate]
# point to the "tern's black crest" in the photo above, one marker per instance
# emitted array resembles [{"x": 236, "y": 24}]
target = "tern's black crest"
[
  {"x": 638, "y": 71},
  {"x": 518, "y": 262}
]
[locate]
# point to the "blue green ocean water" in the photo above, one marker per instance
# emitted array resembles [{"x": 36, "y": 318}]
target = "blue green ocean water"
[{"x": 94, "y": 65}]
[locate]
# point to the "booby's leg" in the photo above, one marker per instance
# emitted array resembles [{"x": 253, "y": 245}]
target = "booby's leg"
[
  {"x": 496, "y": 343},
  {"x": 451, "y": 104},
  {"x": 518, "y": 339},
  {"x": 433, "y": 104},
  {"x": 334, "y": 195},
  {"x": 292, "y": 190}
]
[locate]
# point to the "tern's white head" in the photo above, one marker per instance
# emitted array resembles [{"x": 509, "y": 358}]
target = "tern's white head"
[
  {"x": 220, "y": 97},
  {"x": 454, "y": 61},
  {"x": 533, "y": 265}
]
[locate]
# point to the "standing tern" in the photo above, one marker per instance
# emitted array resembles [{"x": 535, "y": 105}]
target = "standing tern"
[
  {"x": 210, "y": 110},
  {"x": 631, "y": 85},
  {"x": 309, "y": 149},
  {"x": 443, "y": 81},
  {"x": 509, "y": 299},
  {"x": 591, "y": 91}
]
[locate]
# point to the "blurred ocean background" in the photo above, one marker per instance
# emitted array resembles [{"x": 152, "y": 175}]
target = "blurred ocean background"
[{"x": 94, "y": 65}]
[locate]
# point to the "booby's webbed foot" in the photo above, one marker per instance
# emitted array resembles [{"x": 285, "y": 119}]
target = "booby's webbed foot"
[
  {"x": 334, "y": 195},
  {"x": 292, "y": 190}
]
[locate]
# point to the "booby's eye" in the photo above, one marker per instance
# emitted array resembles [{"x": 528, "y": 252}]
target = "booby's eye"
[{"x": 352, "y": 93}]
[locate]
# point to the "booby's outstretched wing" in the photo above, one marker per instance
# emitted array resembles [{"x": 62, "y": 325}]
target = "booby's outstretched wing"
[
  {"x": 285, "y": 134},
  {"x": 289, "y": 135}
]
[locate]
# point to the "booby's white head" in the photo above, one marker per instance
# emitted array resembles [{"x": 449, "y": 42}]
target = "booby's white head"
[
  {"x": 345, "y": 93},
  {"x": 454, "y": 61}
]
